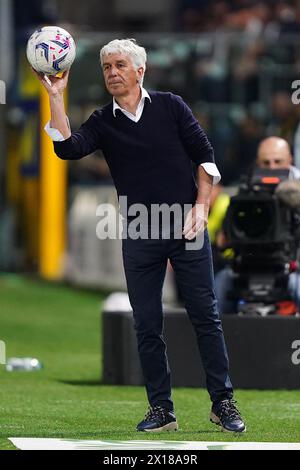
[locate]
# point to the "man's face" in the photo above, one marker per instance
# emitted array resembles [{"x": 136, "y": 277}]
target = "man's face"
[
  {"x": 274, "y": 159},
  {"x": 119, "y": 74}
]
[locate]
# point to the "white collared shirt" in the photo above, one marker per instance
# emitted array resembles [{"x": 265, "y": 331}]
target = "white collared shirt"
[{"x": 139, "y": 110}]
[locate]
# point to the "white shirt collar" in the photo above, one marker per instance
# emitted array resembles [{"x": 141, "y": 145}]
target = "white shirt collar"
[{"x": 144, "y": 95}]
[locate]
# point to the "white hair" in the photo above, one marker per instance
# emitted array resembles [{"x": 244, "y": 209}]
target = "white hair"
[{"x": 129, "y": 47}]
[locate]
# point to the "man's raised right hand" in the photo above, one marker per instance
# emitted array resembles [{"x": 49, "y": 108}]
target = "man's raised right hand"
[{"x": 53, "y": 85}]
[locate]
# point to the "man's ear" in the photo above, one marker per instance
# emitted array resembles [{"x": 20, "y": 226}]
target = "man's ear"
[{"x": 140, "y": 71}]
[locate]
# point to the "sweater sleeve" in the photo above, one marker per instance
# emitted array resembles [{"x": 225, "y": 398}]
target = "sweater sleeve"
[
  {"x": 82, "y": 142},
  {"x": 193, "y": 136}
]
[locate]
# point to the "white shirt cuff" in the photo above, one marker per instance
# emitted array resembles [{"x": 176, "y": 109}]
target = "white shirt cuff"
[
  {"x": 55, "y": 134},
  {"x": 211, "y": 169}
]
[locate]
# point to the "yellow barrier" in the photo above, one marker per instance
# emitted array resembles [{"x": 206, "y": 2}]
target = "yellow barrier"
[{"x": 53, "y": 183}]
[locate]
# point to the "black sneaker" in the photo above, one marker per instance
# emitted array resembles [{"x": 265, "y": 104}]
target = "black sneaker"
[
  {"x": 226, "y": 414},
  {"x": 158, "y": 419}
]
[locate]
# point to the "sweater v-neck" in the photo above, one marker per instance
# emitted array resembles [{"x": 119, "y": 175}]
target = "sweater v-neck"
[{"x": 121, "y": 115}]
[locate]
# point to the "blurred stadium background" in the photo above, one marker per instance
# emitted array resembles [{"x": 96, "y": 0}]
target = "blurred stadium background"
[{"x": 234, "y": 62}]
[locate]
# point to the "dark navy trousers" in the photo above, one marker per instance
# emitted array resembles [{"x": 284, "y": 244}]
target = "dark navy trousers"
[{"x": 145, "y": 263}]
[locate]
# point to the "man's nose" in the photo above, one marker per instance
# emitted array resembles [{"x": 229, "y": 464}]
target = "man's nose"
[{"x": 113, "y": 71}]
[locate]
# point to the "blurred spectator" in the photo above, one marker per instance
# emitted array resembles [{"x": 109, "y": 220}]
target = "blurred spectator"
[
  {"x": 210, "y": 72},
  {"x": 216, "y": 15},
  {"x": 284, "y": 117},
  {"x": 250, "y": 19},
  {"x": 288, "y": 17},
  {"x": 192, "y": 15},
  {"x": 222, "y": 134},
  {"x": 249, "y": 134},
  {"x": 246, "y": 72}
]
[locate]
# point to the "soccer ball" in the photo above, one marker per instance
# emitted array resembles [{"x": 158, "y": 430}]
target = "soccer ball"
[{"x": 51, "y": 50}]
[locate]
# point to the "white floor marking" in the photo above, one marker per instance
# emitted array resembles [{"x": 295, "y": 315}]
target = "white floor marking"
[{"x": 28, "y": 443}]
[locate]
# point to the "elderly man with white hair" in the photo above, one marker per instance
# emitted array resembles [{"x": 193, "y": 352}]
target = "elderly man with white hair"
[{"x": 150, "y": 140}]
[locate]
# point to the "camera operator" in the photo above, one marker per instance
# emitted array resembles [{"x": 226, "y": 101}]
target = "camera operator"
[{"x": 273, "y": 153}]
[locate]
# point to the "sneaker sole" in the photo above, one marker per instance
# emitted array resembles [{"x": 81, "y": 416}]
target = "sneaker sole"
[
  {"x": 168, "y": 427},
  {"x": 214, "y": 419}
]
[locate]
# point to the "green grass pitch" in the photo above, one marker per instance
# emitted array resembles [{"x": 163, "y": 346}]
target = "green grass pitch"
[{"x": 61, "y": 327}]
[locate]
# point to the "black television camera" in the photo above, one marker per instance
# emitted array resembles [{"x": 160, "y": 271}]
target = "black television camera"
[{"x": 263, "y": 232}]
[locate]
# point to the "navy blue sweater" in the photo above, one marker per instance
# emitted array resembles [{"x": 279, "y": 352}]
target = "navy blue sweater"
[{"x": 150, "y": 160}]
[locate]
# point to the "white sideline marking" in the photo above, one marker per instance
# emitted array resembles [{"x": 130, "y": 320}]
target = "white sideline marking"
[{"x": 28, "y": 443}]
